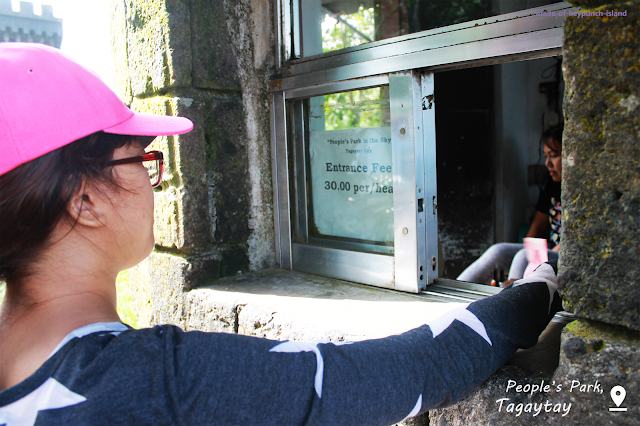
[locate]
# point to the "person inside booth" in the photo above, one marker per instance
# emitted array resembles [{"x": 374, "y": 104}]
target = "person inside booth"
[{"x": 547, "y": 223}]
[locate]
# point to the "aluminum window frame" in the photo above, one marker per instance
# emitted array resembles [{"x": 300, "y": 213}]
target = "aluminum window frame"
[
  {"x": 504, "y": 38},
  {"x": 413, "y": 264}
]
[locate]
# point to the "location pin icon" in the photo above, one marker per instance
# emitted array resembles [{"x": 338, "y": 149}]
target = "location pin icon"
[{"x": 617, "y": 394}]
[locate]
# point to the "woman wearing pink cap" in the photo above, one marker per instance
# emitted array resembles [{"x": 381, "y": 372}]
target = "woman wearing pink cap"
[{"x": 76, "y": 207}]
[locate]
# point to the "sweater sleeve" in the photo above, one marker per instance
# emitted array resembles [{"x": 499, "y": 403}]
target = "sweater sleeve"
[{"x": 229, "y": 379}]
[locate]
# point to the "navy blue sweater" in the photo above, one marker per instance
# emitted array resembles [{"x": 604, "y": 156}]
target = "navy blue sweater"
[{"x": 165, "y": 376}]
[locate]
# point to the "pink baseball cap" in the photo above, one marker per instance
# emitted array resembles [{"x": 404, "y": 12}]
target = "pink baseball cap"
[{"x": 48, "y": 101}]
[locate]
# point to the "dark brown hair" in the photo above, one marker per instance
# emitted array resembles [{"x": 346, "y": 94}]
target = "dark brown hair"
[
  {"x": 552, "y": 137},
  {"x": 35, "y": 195}
]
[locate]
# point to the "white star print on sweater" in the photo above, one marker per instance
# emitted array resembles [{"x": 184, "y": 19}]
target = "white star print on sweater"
[
  {"x": 165, "y": 376},
  {"x": 50, "y": 395}
]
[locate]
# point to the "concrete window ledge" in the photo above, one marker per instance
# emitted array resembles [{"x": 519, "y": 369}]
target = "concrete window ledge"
[
  {"x": 283, "y": 305},
  {"x": 286, "y": 305}
]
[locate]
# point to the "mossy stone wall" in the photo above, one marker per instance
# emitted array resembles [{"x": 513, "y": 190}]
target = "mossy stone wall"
[
  {"x": 209, "y": 61},
  {"x": 600, "y": 251}
]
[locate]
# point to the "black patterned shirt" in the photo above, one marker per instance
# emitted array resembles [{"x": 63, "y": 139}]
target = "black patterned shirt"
[{"x": 549, "y": 204}]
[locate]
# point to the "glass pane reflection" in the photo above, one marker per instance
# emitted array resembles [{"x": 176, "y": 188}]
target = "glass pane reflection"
[
  {"x": 350, "y": 178},
  {"x": 330, "y": 25}
]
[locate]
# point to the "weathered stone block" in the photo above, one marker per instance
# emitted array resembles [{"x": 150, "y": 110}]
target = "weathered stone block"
[
  {"x": 601, "y": 168},
  {"x": 251, "y": 30},
  {"x": 234, "y": 261},
  {"x": 609, "y": 355},
  {"x": 159, "y": 284},
  {"x": 157, "y": 289},
  {"x": 594, "y": 358},
  {"x": 214, "y": 61},
  {"x": 217, "y": 190},
  {"x": 479, "y": 407},
  {"x": 205, "y": 313},
  {"x": 158, "y": 44},
  {"x": 421, "y": 420},
  {"x": 226, "y": 159}
]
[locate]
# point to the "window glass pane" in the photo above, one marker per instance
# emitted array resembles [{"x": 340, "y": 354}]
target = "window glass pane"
[
  {"x": 349, "y": 179},
  {"x": 490, "y": 167},
  {"x": 340, "y": 30},
  {"x": 330, "y": 25}
]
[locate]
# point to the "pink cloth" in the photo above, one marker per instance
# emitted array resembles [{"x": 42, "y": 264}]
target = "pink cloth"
[{"x": 536, "y": 251}]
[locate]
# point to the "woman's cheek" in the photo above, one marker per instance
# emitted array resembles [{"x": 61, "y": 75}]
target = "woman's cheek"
[{"x": 558, "y": 165}]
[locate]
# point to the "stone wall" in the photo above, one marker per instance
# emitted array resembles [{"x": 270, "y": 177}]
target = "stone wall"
[
  {"x": 601, "y": 167},
  {"x": 209, "y": 61}
]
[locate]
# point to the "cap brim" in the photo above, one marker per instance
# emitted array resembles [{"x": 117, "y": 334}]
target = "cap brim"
[{"x": 151, "y": 125}]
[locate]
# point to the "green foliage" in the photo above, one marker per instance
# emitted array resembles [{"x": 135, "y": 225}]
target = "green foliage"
[
  {"x": 367, "y": 25},
  {"x": 357, "y": 109},
  {"x": 369, "y": 108},
  {"x": 360, "y": 108},
  {"x": 337, "y": 35},
  {"x": 125, "y": 307}
]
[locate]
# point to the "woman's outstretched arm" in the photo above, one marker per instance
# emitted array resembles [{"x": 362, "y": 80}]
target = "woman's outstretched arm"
[{"x": 166, "y": 376}]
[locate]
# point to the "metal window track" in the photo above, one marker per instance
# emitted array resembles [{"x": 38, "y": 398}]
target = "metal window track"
[
  {"x": 446, "y": 290},
  {"x": 458, "y": 291}
]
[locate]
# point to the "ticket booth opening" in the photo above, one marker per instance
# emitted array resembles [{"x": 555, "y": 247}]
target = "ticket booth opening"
[{"x": 398, "y": 162}]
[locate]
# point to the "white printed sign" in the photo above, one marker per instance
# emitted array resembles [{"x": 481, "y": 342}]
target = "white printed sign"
[{"x": 352, "y": 183}]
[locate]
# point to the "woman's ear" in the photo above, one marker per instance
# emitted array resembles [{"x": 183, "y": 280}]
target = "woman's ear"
[{"x": 87, "y": 206}]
